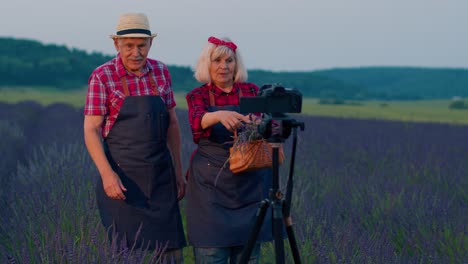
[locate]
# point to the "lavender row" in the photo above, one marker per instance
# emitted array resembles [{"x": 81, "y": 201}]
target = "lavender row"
[{"x": 366, "y": 191}]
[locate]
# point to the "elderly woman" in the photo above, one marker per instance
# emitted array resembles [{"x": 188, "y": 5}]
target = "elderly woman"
[{"x": 221, "y": 206}]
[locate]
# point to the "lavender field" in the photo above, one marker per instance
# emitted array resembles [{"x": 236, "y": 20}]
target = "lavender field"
[{"x": 366, "y": 191}]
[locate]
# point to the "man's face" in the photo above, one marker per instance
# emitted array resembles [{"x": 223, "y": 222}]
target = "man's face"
[{"x": 133, "y": 52}]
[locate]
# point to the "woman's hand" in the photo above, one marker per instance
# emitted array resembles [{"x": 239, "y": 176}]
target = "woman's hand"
[{"x": 231, "y": 120}]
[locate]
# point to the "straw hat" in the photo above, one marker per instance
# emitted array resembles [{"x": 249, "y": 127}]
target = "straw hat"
[{"x": 133, "y": 25}]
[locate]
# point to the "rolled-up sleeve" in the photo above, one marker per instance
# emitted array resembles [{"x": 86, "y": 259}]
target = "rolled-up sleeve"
[
  {"x": 96, "y": 97},
  {"x": 197, "y": 103}
]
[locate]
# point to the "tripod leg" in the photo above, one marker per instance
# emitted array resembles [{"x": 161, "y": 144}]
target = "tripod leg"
[
  {"x": 247, "y": 251},
  {"x": 278, "y": 232},
  {"x": 291, "y": 237}
]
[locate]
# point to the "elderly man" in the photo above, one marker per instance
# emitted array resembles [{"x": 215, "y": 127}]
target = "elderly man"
[{"x": 132, "y": 134}]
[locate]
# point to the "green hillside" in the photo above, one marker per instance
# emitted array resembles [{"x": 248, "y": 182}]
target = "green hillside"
[
  {"x": 29, "y": 63},
  {"x": 404, "y": 83},
  {"x": 33, "y": 64}
]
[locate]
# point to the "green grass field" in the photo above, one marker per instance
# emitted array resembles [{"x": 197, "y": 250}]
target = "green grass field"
[
  {"x": 415, "y": 111},
  {"x": 44, "y": 97}
]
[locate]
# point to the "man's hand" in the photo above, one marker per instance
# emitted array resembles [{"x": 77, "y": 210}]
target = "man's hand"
[
  {"x": 173, "y": 142},
  {"x": 92, "y": 136},
  {"x": 181, "y": 184},
  {"x": 113, "y": 186}
]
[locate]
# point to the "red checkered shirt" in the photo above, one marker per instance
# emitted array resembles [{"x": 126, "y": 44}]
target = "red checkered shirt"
[
  {"x": 105, "y": 92},
  {"x": 198, "y": 101}
]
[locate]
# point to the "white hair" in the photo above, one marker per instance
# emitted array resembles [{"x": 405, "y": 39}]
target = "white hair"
[{"x": 202, "y": 68}]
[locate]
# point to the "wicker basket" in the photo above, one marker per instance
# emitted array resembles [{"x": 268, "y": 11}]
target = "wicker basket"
[{"x": 252, "y": 155}]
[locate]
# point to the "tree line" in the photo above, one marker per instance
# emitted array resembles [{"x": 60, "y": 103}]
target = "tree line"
[{"x": 25, "y": 62}]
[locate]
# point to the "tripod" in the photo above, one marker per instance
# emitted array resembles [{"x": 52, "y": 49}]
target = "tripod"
[{"x": 280, "y": 206}]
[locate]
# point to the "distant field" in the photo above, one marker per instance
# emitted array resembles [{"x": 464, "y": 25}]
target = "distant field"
[
  {"x": 50, "y": 96},
  {"x": 417, "y": 111}
]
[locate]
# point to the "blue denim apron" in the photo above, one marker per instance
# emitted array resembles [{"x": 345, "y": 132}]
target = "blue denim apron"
[
  {"x": 222, "y": 214},
  {"x": 136, "y": 148}
]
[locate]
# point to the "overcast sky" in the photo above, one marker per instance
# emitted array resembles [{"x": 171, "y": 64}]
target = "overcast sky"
[{"x": 280, "y": 35}]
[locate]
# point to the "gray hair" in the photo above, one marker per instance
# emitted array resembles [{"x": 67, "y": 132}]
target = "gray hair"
[{"x": 202, "y": 68}]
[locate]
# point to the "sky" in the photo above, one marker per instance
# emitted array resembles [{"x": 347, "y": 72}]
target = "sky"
[{"x": 277, "y": 35}]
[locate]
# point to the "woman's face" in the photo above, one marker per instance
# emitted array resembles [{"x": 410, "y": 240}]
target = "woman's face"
[
  {"x": 133, "y": 52},
  {"x": 222, "y": 70}
]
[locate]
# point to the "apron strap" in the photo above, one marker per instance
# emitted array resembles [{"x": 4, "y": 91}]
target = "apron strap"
[
  {"x": 153, "y": 85},
  {"x": 125, "y": 86},
  {"x": 212, "y": 101}
]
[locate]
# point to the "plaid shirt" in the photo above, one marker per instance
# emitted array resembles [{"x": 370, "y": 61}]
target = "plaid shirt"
[
  {"x": 105, "y": 92},
  {"x": 198, "y": 101}
]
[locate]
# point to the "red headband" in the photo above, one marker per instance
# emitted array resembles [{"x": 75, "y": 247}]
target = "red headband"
[{"x": 218, "y": 42}]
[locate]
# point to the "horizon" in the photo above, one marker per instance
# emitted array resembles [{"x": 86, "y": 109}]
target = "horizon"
[{"x": 275, "y": 71}]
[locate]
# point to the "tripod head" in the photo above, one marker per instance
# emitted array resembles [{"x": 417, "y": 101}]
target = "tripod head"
[{"x": 277, "y": 127}]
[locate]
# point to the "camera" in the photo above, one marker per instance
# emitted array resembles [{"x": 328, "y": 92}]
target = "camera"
[
  {"x": 274, "y": 101},
  {"x": 273, "y": 98}
]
